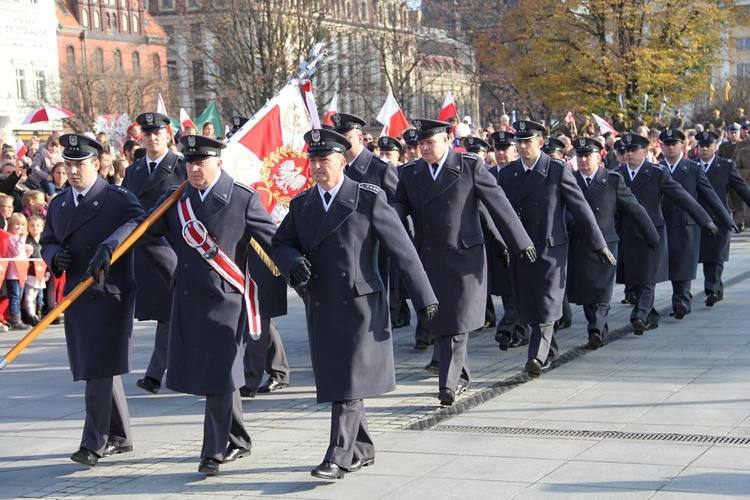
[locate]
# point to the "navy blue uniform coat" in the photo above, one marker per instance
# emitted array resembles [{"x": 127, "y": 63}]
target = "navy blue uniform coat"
[
  {"x": 98, "y": 325},
  {"x": 540, "y": 200},
  {"x": 208, "y": 318},
  {"x": 448, "y": 233},
  {"x": 348, "y": 321}
]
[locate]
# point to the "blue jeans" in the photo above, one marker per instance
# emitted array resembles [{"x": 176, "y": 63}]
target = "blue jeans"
[{"x": 14, "y": 296}]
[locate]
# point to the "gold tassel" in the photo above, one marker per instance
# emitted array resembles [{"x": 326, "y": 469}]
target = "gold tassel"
[{"x": 265, "y": 258}]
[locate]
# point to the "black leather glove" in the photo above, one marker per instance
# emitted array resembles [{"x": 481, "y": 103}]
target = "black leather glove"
[
  {"x": 606, "y": 256},
  {"x": 426, "y": 314},
  {"x": 62, "y": 260},
  {"x": 300, "y": 272},
  {"x": 99, "y": 263},
  {"x": 711, "y": 229},
  {"x": 653, "y": 245},
  {"x": 505, "y": 258},
  {"x": 735, "y": 228},
  {"x": 528, "y": 253}
]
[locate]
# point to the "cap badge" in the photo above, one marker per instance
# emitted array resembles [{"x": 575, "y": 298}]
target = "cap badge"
[
  {"x": 669, "y": 133},
  {"x": 315, "y": 135},
  {"x": 418, "y": 124},
  {"x": 471, "y": 141},
  {"x": 336, "y": 119},
  {"x": 582, "y": 142},
  {"x": 191, "y": 141},
  {"x": 73, "y": 140},
  {"x": 628, "y": 138},
  {"x": 236, "y": 121},
  {"x": 522, "y": 126},
  {"x": 546, "y": 141},
  {"x": 149, "y": 118}
]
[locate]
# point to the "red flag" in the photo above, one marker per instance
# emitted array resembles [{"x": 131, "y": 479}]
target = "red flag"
[
  {"x": 333, "y": 108},
  {"x": 449, "y": 108},
  {"x": 185, "y": 120},
  {"x": 604, "y": 127},
  {"x": 569, "y": 118},
  {"x": 392, "y": 117},
  {"x": 21, "y": 148}
]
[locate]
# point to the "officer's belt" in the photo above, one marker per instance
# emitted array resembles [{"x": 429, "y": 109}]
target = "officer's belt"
[{"x": 196, "y": 236}]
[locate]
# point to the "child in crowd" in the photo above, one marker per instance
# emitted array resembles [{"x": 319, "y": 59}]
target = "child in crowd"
[
  {"x": 17, "y": 249},
  {"x": 34, "y": 204},
  {"x": 41, "y": 166},
  {"x": 33, "y": 297}
]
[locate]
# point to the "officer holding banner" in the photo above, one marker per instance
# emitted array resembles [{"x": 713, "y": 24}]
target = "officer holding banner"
[{"x": 214, "y": 300}]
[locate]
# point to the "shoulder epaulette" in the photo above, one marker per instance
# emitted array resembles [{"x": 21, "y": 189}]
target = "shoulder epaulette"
[
  {"x": 118, "y": 189},
  {"x": 243, "y": 186},
  {"x": 613, "y": 172},
  {"x": 408, "y": 164},
  {"x": 471, "y": 156},
  {"x": 558, "y": 161},
  {"x": 369, "y": 187},
  {"x": 381, "y": 160},
  {"x": 300, "y": 194},
  {"x": 658, "y": 165}
]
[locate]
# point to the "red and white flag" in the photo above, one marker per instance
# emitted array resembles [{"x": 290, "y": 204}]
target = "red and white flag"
[
  {"x": 569, "y": 118},
  {"x": 604, "y": 127},
  {"x": 185, "y": 120},
  {"x": 310, "y": 106},
  {"x": 21, "y": 148},
  {"x": 162, "y": 108},
  {"x": 393, "y": 119},
  {"x": 449, "y": 108},
  {"x": 333, "y": 108},
  {"x": 269, "y": 154}
]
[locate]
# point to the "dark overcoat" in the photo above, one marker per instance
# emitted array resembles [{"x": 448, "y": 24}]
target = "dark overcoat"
[
  {"x": 154, "y": 299},
  {"x": 590, "y": 280},
  {"x": 540, "y": 200},
  {"x": 638, "y": 264},
  {"x": 348, "y": 321},
  {"x": 498, "y": 276},
  {"x": 683, "y": 234},
  {"x": 98, "y": 325},
  {"x": 448, "y": 233},
  {"x": 371, "y": 169},
  {"x": 723, "y": 176},
  {"x": 209, "y": 318}
]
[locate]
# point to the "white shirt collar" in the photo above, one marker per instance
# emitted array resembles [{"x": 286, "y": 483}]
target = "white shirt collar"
[
  {"x": 709, "y": 162},
  {"x": 333, "y": 191},
  {"x": 208, "y": 189},
  {"x": 157, "y": 161},
  {"x": 525, "y": 168},
  {"x": 634, "y": 171},
  {"x": 84, "y": 193},
  {"x": 440, "y": 164}
]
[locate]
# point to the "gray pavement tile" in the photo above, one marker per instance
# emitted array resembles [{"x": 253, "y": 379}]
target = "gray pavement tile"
[
  {"x": 449, "y": 443},
  {"x": 620, "y": 413},
  {"x": 501, "y": 409},
  {"x": 706, "y": 399},
  {"x": 711, "y": 481},
  {"x": 694, "y": 415},
  {"x": 671, "y": 427},
  {"x": 725, "y": 456},
  {"x": 625, "y": 476},
  {"x": 438, "y": 488},
  {"x": 603, "y": 395},
  {"x": 575, "y": 491},
  {"x": 488, "y": 420},
  {"x": 10, "y": 491},
  {"x": 532, "y": 447},
  {"x": 572, "y": 425},
  {"x": 527, "y": 470},
  {"x": 356, "y": 485},
  {"x": 538, "y": 395},
  {"x": 643, "y": 452}
]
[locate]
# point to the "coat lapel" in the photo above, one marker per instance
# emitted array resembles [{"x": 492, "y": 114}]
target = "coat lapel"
[
  {"x": 422, "y": 177},
  {"x": 680, "y": 170},
  {"x": 536, "y": 177},
  {"x": 359, "y": 166},
  {"x": 164, "y": 170},
  {"x": 341, "y": 208},
  {"x": 217, "y": 199},
  {"x": 448, "y": 175},
  {"x": 644, "y": 175},
  {"x": 86, "y": 210}
]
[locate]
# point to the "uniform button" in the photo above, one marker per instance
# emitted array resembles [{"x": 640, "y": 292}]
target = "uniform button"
[
  {"x": 449, "y": 225},
  {"x": 343, "y": 275},
  {"x": 314, "y": 248},
  {"x": 315, "y": 276},
  {"x": 345, "y": 302},
  {"x": 426, "y": 226},
  {"x": 317, "y": 304},
  {"x": 341, "y": 247},
  {"x": 429, "y": 248},
  {"x": 185, "y": 266},
  {"x": 88, "y": 247},
  {"x": 185, "y": 293}
]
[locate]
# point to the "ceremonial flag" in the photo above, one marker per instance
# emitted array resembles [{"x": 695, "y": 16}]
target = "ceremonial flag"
[
  {"x": 162, "y": 108},
  {"x": 392, "y": 117},
  {"x": 185, "y": 120},
  {"x": 310, "y": 106},
  {"x": 268, "y": 153},
  {"x": 211, "y": 114},
  {"x": 449, "y": 108},
  {"x": 21, "y": 148},
  {"x": 711, "y": 92},
  {"x": 604, "y": 127},
  {"x": 569, "y": 118},
  {"x": 727, "y": 88},
  {"x": 333, "y": 108}
]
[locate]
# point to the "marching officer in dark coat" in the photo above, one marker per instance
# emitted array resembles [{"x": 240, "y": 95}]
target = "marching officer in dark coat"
[
  {"x": 640, "y": 266},
  {"x": 99, "y": 324},
  {"x": 148, "y": 179},
  {"x": 213, "y": 304},
  {"x": 442, "y": 192},
  {"x": 327, "y": 247},
  {"x": 541, "y": 189},
  {"x": 724, "y": 177},
  {"x": 683, "y": 235},
  {"x": 590, "y": 281}
]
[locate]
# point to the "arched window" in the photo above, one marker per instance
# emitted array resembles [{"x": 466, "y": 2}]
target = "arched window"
[
  {"x": 134, "y": 22},
  {"x": 96, "y": 19},
  {"x": 84, "y": 18},
  {"x": 70, "y": 55},
  {"x": 99, "y": 59},
  {"x": 118, "y": 60},
  {"x": 136, "y": 62},
  {"x": 124, "y": 25},
  {"x": 156, "y": 62}
]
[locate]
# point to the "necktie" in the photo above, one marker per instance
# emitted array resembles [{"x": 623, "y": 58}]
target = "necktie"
[
  {"x": 528, "y": 171},
  {"x": 632, "y": 175},
  {"x": 346, "y": 168},
  {"x": 705, "y": 167},
  {"x": 588, "y": 181},
  {"x": 151, "y": 167},
  {"x": 79, "y": 198},
  {"x": 327, "y": 197},
  {"x": 434, "y": 169}
]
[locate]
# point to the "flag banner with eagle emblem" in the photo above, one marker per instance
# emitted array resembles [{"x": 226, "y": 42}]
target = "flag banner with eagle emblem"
[{"x": 269, "y": 153}]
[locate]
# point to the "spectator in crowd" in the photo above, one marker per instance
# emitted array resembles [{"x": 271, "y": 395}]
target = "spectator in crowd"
[
  {"x": 33, "y": 295},
  {"x": 6, "y": 210},
  {"x": 120, "y": 166},
  {"x": 59, "y": 179},
  {"x": 134, "y": 132},
  {"x": 103, "y": 139},
  {"x": 34, "y": 203},
  {"x": 41, "y": 165},
  {"x": 32, "y": 147},
  {"x": 129, "y": 148},
  {"x": 17, "y": 249},
  {"x": 208, "y": 130},
  {"x": 16, "y": 184}
]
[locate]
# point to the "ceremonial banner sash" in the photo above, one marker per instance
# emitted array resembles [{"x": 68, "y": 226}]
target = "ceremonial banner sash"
[{"x": 196, "y": 236}]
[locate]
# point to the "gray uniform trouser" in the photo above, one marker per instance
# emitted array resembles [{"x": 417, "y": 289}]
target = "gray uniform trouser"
[
  {"x": 596, "y": 315},
  {"x": 223, "y": 424},
  {"x": 265, "y": 354},
  {"x": 158, "y": 364},
  {"x": 454, "y": 361},
  {"x": 681, "y": 294},
  {"x": 350, "y": 437},
  {"x": 509, "y": 322},
  {"x": 712, "y": 272},
  {"x": 644, "y": 307},
  {"x": 543, "y": 344},
  {"x": 107, "y": 417}
]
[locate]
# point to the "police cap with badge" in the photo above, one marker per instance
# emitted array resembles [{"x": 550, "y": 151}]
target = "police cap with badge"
[
  {"x": 586, "y": 145},
  {"x": 410, "y": 136},
  {"x": 733, "y": 127},
  {"x": 344, "y": 122},
  {"x": 526, "y": 129},
  {"x": 502, "y": 140},
  {"x": 152, "y": 122},
  {"x": 634, "y": 141},
  {"x": 79, "y": 147},
  {"x": 551, "y": 145},
  {"x": 618, "y": 146},
  {"x": 386, "y": 143},
  {"x": 322, "y": 142},
  {"x": 237, "y": 123},
  {"x": 427, "y": 128},
  {"x": 199, "y": 147},
  {"x": 671, "y": 135},
  {"x": 706, "y": 138},
  {"x": 476, "y": 145}
]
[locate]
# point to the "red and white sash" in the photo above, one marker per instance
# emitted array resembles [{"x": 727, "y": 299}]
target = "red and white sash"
[{"x": 196, "y": 236}]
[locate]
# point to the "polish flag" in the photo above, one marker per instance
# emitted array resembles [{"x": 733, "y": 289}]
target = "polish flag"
[
  {"x": 162, "y": 108},
  {"x": 392, "y": 118},
  {"x": 185, "y": 120},
  {"x": 604, "y": 127},
  {"x": 21, "y": 148},
  {"x": 333, "y": 108},
  {"x": 269, "y": 153},
  {"x": 449, "y": 108}
]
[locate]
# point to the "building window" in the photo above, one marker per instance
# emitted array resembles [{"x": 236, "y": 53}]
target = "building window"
[
  {"x": 134, "y": 22},
  {"x": 743, "y": 70},
  {"x": 195, "y": 33},
  {"x": 21, "y": 84},
  {"x": 96, "y": 19},
  {"x": 156, "y": 63},
  {"x": 84, "y": 18},
  {"x": 199, "y": 78},
  {"x": 99, "y": 59},
  {"x": 118, "y": 60},
  {"x": 172, "y": 70},
  {"x": 166, "y": 4},
  {"x": 743, "y": 44},
  {"x": 200, "y": 107},
  {"x": 70, "y": 55},
  {"x": 124, "y": 24},
  {"x": 41, "y": 85},
  {"x": 136, "y": 62}
]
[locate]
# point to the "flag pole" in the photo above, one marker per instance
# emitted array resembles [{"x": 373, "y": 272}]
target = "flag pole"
[{"x": 82, "y": 286}]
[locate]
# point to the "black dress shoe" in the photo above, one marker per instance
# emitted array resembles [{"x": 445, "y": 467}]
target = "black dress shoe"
[
  {"x": 562, "y": 325},
  {"x": 358, "y": 463},
  {"x": 488, "y": 325},
  {"x": 446, "y": 396},
  {"x": 115, "y": 449},
  {"x": 595, "y": 340},
  {"x": 433, "y": 367},
  {"x": 328, "y": 470},
  {"x": 209, "y": 467},
  {"x": 638, "y": 326},
  {"x": 534, "y": 367},
  {"x": 271, "y": 385},
  {"x": 149, "y": 384},
  {"x": 711, "y": 299},
  {"x": 233, "y": 453},
  {"x": 246, "y": 392},
  {"x": 421, "y": 345},
  {"x": 85, "y": 457},
  {"x": 400, "y": 324},
  {"x": 503, "y": 338},
  {"x": 680, "y": 312},
  {"x": 518, "y": 343}
]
